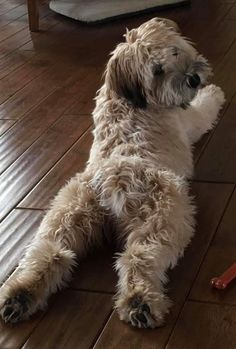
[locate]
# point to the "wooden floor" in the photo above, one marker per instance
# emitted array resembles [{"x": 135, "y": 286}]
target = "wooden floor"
[{"x": 47, "y": 83}]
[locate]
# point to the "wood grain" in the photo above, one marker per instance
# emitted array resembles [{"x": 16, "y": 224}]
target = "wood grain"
[
  {"x": 220, "y": 256},
  {"x": 72, "y": 162},
  {"x": 76, "y": 325},
  {"x": 224, "y": 74},
  {"x": 16, "y": 232},
  {"x": 9, "y": 5},
  {"x": 22, "y": 37},
  {"x": 34, "y": 92},
  {"x": 13, "y": 61},
  {"x": 216, "y": 162},
  {"x": 35, "y": 123},
  {"x": 13, "y": 82},
  {"x": 28, "y": 169},
  {"x": 95, "y": 273},
  {"x": 14, "y": 337},
  {"x": 13, "y": 15},
  {"x": 5, "y": 125},
  {"x": 205, "y": 326}
]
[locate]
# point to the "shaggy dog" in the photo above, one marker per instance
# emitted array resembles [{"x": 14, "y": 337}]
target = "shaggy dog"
[{"x": 153, "y": 106}]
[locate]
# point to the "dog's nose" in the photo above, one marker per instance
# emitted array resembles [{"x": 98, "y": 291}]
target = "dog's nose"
[{"x": 193, "y": 80}]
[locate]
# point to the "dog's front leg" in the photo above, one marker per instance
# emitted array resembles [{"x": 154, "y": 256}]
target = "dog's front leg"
[
  {"x": 201, "y": 116},
  {"x": 68, "y": 228}
]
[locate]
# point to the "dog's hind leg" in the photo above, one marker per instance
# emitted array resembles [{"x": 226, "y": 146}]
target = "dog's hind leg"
[
  {"x": 158, "y": 236},
  {"x": 69, "y": 227}
]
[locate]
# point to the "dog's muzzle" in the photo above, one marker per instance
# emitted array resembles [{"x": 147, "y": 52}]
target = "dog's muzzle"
[{"x": 193, "y": 81}]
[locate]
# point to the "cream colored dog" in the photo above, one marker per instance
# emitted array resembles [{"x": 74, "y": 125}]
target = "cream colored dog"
[{"x": 153, "y": 106}]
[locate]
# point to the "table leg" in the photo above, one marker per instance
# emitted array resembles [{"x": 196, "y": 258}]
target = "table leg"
[{"x": 33, "y": 15}]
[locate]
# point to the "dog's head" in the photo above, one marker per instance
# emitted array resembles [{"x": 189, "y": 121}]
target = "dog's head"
[{"x": 157, "y": 66}]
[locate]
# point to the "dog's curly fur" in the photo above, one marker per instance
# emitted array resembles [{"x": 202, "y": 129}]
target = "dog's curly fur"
[{"x": 153, "y": 106}]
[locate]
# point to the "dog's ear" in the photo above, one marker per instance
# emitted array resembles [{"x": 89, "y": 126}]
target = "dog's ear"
[{"x": 121, "y": 78}]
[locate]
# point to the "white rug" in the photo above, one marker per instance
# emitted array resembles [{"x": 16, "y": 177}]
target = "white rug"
[{"x": 98, "y": 10}]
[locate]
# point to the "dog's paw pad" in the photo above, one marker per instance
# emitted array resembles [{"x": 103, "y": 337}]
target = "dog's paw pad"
[
  {"x": 140, "y": 314},
  {"x": 15, "y": 307}
]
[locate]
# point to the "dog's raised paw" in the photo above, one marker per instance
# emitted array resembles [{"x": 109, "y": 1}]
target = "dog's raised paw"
[
  {"x": 215, "y": 92},
  {"x": 15, "y": 308},
  {"x": 140, "y": 314}
]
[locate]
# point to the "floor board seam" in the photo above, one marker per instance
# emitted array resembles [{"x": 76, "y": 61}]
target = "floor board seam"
[
  {"x": 212, "y": 132},
  {"x": 199, "y": 267},
  {"x": 28, "y": 191},
  {"x": 192, "y": 300}
]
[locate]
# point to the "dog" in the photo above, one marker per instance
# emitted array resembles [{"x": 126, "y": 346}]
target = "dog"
[{"x": 155, "y": 103}]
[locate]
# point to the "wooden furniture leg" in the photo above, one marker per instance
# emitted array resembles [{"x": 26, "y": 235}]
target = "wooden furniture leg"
[{"x": 33, "y": 15}]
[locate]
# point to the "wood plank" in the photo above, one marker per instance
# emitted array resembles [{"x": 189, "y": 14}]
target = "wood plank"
[
  {"x": 181, "y": 278},
  {"x": 205, "y": 326},
  {"x": 216, "y": 163},
  {"x": 15, "y": 336},
  {"x": 5, "y": 125},
  {"x": 23, "y": 37},
  {"x": 16, "y": 231},
  {"x": 224, "y": 75},
  {"x": 28, "y": 169},
  {"x": 9, "y": 5},
  {"x": 13, "y": 15},
  {"x": 36, "y": 122},
  {"x": 76, "y": 324},
  {"x": 13, "y": 61},
  {"x": 73, "y": 161},
  {"x": 95, "y": 273},
  {"x": 13, "y": 82},
  {"x": 34, "y": 92},
  {"x": 13, "y": 27},
  {"x": 220, "y": 256},
  {"x": 14, "y": 42},
  {"x": 224, "y": 31},
  {"x": 232, "y": 14},
  {"x": 199, "y": 147},
  {"x": 14, "y": 51},
  {"x": 85, "y": 103}
]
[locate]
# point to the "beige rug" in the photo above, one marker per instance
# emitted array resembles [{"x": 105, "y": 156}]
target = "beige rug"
[{"x": 99, "y": 10}]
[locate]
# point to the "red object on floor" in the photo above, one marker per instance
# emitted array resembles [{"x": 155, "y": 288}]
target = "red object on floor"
[{"x": 221, "y": 282}]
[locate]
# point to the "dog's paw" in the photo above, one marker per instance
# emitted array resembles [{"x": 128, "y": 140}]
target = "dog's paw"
[
  {"x": 16, "y": 308},
  {"x": 143, "y": 314},
  {"x": 140, "y": 314},
  {"x": 215, "y": 93}
]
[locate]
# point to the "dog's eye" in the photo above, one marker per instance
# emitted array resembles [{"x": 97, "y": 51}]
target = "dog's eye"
[{"x": 158, "y": 70}]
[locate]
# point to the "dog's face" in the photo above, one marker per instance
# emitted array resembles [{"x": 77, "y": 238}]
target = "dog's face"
[{"x": 157, "y": 66}]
